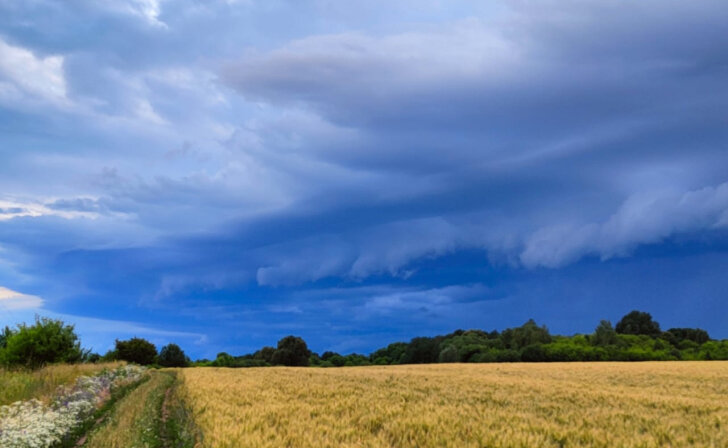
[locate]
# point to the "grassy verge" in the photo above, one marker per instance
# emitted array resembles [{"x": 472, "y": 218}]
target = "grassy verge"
[
  {"x": 151, "y": 416},
  {"x": 20, "y": 384},
  {"x": 119, "y": 394}
]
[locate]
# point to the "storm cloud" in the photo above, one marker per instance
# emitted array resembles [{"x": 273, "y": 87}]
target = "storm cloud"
[{"x": 218, "y": 159}]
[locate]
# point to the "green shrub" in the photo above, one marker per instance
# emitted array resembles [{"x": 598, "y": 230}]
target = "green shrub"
[{"x": 46, "y": 341}]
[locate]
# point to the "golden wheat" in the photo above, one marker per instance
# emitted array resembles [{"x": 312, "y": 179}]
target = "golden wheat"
[{"x": 529, "y": 405}]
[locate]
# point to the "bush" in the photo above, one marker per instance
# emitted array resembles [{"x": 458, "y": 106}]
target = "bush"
[
  {"x": 507, "y": 356},
  {"x": 533, "y": 353},
  {"x": 46, "y": 341},
  {"x": 223, "y": 360},
  {"x": 172, "y": 356},
  {"x": 136, "y": 350}
]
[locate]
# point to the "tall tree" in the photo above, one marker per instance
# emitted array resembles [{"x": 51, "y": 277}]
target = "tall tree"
[
  {"x": 136, "y": 350},
  {"x": 638, "y": 322},
  {"x": 172, "y": 355},
  {"x": 291, "y": 351},
  {"x": 604, "y": 334}
]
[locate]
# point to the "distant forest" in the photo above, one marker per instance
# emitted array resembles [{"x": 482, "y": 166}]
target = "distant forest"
[{"x": 636, "y": 337}]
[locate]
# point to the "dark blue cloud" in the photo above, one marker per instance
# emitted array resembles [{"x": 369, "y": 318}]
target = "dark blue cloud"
[{"x": 230, "y": 172}]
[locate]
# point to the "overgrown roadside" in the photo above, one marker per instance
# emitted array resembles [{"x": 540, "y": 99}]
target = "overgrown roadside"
[{"x": 151, "y": 417}]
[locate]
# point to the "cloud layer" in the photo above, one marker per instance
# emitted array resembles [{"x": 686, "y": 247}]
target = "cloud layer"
[{"x": 244, "y": 152}]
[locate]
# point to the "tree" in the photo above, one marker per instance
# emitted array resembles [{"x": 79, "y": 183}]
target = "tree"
[
  {"x": 136, "y": 350},
  {"x": 392, "y": 354},
  {"x": 46, "y": 341},
  {"x": 449, "y": 354},
  {"x": 172, "y": 355},
  {"x": 223, "y": 360},
  {"x": 291, "y": 351},
  {"x": 327, "y": 355},
  {"x": 4, "y": 336},
  {"x": 265, "y": 354},
  {"x": 696, "y": 335},
  {"x": 533, "y": 353},
  {"x": 422, "y": 350},
  {"x": 527, "y": 334},
  {"x": 604, "y": 334},
  {"x": 638, "y": 322}
]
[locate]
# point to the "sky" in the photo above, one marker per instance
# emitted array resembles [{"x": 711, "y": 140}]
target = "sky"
[{"x": 221, "y": 174}]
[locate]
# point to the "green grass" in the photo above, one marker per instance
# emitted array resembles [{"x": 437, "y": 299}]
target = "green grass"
[
  {"x": 151, "y": 416},
  {"x": 22, "y": 384}
]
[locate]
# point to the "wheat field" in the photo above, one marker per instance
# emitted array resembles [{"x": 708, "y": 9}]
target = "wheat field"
[{"x": 457, "y": 405}]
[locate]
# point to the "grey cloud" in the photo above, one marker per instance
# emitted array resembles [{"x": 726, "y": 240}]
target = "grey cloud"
[
  {"x": 642, "y": 219},
  {"x": 354, "y": 154},
  {"x": 426, "y": 300}
]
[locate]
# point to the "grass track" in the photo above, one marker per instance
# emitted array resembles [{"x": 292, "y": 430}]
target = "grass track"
[
  {"x": 150, "y": 416},
  {"x": 136, "y": 419}
]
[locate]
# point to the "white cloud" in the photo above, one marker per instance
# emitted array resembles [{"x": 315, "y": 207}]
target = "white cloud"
[
  {"x": 642, "y": 219},
  {"x": 13, "y": 300},
  {"x": 426, "y": 299},
  {"x": 26, "y": 73},
  {"x": 13, "y": 208},
  {"x": 147, "y": 10},
  {"x": 333, "y": 67}
]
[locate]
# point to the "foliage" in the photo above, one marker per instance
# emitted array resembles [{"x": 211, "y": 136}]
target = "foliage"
[
  {"x": 604, "y": 334},
  {"x": 533, "y": 353},
  {"x": 172, "y": 355},
  {"x": 291, "y": 351},
  {"x": 529, "y": 342},
  {"x": 392, "y": 354},
  {"x": 638, "y": 322},
  {"x": 32, "y": 423},
  {"x": 527, "y": 334},
  {"x": 136, "y": 350},
  {"x": 449, "y": 354},
  {"x": 46, "y": 341},
  {"x": 265, "y": 354},
  {"x": 696, "y": 335},
  {"x": 422, "y": 351},
  {"x": 42, "y": 383},
  {"x": 4, "y": 336},
  {"x": 136, "y": 421}
]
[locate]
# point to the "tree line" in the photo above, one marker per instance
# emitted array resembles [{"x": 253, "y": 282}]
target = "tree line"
[
  {"x": 636, "y": 337},
  {"x": 50, "y": 341}
]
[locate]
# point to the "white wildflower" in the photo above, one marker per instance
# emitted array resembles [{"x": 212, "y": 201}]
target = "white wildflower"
[{"x": 32, "y": 424}]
